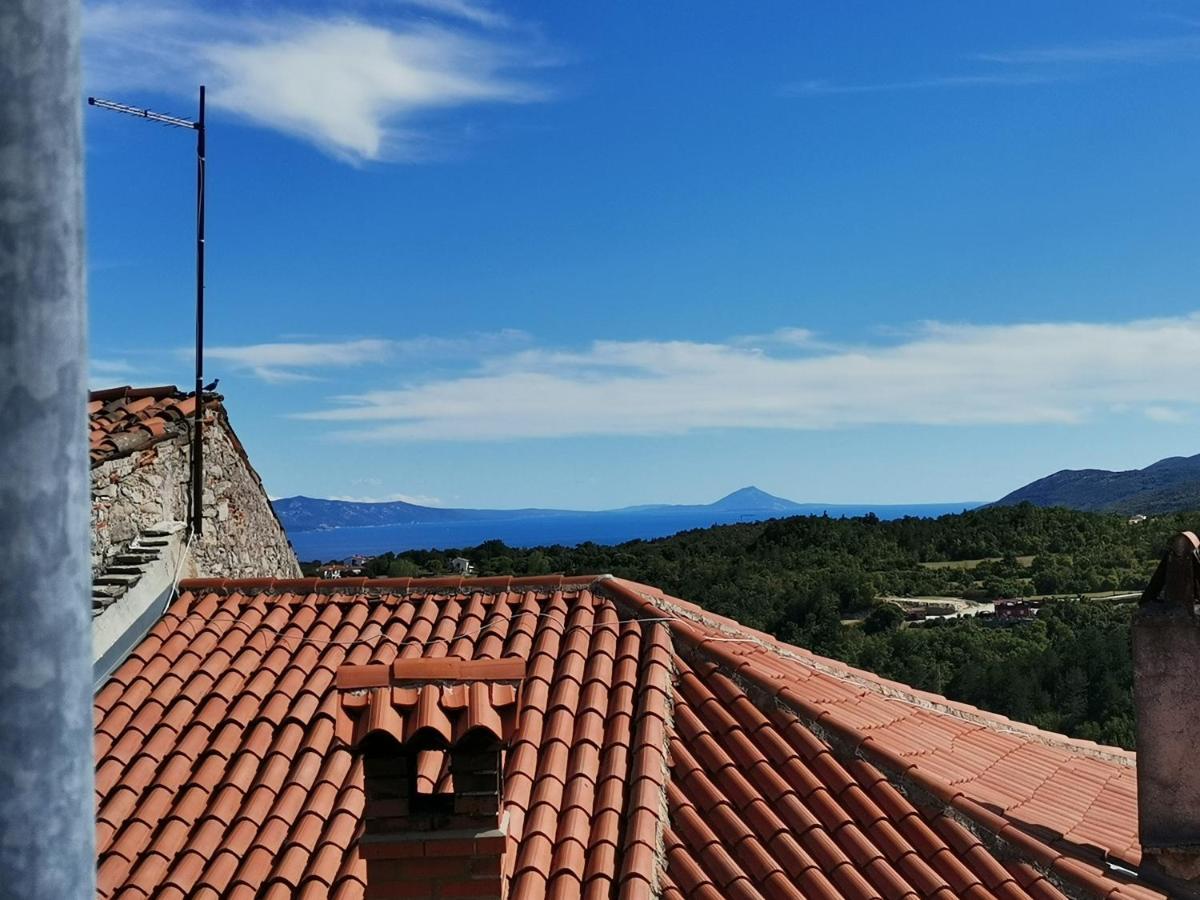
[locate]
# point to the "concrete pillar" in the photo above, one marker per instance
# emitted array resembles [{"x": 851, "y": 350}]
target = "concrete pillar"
[
  {"x": 1166, "y": 662},
  {"x": 46, "y": 814}
]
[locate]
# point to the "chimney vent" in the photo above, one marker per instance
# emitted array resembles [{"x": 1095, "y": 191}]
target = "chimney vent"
[
  {"x": 1166, "y": 666},
  {"x": 432, "y": 735}
]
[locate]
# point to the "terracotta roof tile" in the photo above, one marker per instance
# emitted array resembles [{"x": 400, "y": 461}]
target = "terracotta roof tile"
[
  {"x": 914, "y": 738},
  {"x": 691, "y": 758},
  {"x": 124, "y": 420}
]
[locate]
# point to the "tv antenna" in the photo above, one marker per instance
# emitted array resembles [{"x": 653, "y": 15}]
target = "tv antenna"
[{"x": 197, "y": 511}]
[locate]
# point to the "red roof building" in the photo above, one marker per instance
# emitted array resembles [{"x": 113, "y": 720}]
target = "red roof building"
[{"x": 592, "y": 737}]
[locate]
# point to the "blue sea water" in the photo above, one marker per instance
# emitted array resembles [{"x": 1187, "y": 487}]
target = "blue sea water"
[{"x": 568, "y": 529}]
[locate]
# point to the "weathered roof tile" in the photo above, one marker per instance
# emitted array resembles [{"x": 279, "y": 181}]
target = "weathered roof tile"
[{"x": 126, "y": 419}]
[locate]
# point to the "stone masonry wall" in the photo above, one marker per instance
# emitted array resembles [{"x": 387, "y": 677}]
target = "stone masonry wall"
[{"x": 241, "y": 537}]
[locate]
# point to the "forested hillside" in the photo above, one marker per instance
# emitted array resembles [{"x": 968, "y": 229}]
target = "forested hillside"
[
  {"x": 1168, "y": 485},
  {"x": 799, "y": 577}
]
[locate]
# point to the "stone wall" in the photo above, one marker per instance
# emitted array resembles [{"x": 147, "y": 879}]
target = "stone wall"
[{"x": 241, "y": 536}]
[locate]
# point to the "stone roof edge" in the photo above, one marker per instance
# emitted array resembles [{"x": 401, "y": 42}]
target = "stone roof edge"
[{"x": 1065, "y": 871}]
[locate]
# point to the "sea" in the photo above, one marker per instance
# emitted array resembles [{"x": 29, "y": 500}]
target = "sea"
[{"x": 568, "y": 529}]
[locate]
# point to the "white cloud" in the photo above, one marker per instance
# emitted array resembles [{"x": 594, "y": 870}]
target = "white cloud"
[
  {"x": 1165, "y": 414},
  {"x": 287, "y": 361},
  {"x": 1024, "y": 67},
  {"x": 943, "y": 374},
  {"x": 112, "y": 366},
  {"x": 784, "y": 339},
  {"x": 282, "y": 362},
  {"x": 354, "y": 86},
  {"x": 819, "y": 87},
  {"x": 478, "y": 13},
  {"x": 109, "y": 372},
  {"x": 1127, "y": 50}
]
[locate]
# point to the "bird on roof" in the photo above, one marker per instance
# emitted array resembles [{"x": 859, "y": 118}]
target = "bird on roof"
[{"x": 211, "y": 386}]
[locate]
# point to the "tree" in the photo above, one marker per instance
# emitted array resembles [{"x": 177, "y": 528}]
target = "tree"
[{"x": 884, "y": 617}]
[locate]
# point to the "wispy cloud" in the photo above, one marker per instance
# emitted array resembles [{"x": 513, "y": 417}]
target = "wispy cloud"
[
  {"x": 943, "y": 374},
  {"x": 787, "y": 337},
  {"x": 289, "y": 361},
  {"x": 1132, "y": 50},
  {"x": 1164, "y": 414},
  {"x": 818, "y": 87},
  {"x": 357, "y": 87},
  {"x": 282, "y": 362},
  {"x": 1024, "y": 66},
  {"x": 478, "y": 13},
  {"x": 109, "y": 372}
]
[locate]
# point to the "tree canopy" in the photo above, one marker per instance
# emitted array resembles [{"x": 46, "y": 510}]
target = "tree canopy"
[{"x": 801, "y": 578}]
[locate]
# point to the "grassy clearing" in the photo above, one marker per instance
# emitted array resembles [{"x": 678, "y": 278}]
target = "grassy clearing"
[{"x": 1025, "y": 561}]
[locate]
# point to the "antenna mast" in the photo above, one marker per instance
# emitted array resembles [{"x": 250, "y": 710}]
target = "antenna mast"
[{"x": 196, "y": 524}]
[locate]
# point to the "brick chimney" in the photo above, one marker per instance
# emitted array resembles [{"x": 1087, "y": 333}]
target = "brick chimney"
[
  {"x": 432, "y": 735},
  {"x": 1166, "y": 681}
]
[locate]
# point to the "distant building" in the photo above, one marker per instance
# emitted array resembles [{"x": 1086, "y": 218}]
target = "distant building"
[
  {"x": 1015, "y": 610},
  {"x": 1137, "y": 519},
  {"x": 461, "y": 566},
  {"x": 340, "y": 570}
]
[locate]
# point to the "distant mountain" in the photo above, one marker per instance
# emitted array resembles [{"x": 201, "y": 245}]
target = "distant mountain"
[
  {"x": 315, "y": 514},
  {"x": 334, "y": 529},
  {"x": 1169, "y": 485},
  {"x": 747, "y": 499},
  {"x": 754, "y": 500}
]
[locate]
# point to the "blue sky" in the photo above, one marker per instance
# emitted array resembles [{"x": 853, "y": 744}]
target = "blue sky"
[{"x": 593, "y": 254}]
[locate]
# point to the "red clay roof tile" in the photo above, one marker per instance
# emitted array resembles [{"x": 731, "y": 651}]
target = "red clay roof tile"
[
  {"x": 220, "y": 770},
  {"x": 124, "y": 420}
]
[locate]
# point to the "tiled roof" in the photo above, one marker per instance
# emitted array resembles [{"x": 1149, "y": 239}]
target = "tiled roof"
[
  {"x": 122, "y": 420},
  {"x": 868, "y": 772},
  {"x": 443, "y": 700},
  {"x": 657, "y": 751}
]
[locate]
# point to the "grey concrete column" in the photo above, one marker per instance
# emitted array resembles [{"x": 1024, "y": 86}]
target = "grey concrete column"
[
  {"x": 1166, "y": 676},
  {"x": 46, "y": 813}
]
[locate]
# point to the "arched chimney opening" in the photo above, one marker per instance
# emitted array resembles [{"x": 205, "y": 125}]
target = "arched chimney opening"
[{"x": 431, "y": 734}]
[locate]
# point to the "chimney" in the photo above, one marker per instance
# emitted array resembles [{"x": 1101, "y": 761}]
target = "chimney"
[
  {"x": 432, "y": 735},
  {"x": 1166, "y": 686}
]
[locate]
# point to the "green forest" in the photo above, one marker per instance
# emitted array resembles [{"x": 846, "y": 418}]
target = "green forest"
[{"x": 819, "y": 582}]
